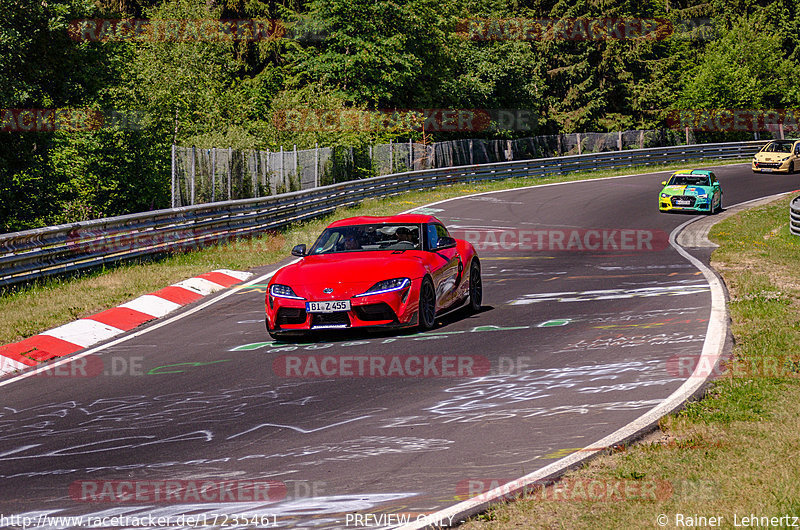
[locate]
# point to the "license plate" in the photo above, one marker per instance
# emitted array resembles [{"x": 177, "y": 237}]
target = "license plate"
[
  {"x": 683, "y": 203},
  {"x": 767, "y": 170},
  {"x": 330, "y": 306}
]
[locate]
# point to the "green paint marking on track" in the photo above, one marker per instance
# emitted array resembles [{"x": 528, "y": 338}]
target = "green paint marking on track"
[
  {"x": 189, "y": 364},
  {"x": 428, "y": 335},
  {"x": 555, "y": 323},
  {"x": 497, "y": 328},
  {"x": 253, "y": 346}
]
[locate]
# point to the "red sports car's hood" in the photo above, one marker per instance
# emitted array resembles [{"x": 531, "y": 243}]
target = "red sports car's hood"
[{"x": 349, "y": 274}]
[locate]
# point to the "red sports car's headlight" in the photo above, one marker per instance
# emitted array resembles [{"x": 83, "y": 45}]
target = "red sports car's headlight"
[
  {"x": 283, "y": 291},
  {"x": 387, "y": 286}
]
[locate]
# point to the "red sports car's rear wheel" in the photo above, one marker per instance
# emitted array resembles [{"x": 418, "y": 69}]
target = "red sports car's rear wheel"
[
  {"x": 427, "y": 305},
  {"x": 475, "y": 286}
]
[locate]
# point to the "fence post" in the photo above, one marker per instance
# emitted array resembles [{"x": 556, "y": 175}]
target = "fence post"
[
  {"x": 371, "y": 162},
  {"x": 641, "y": 139},
  {"x": 173, "y": 176},
  {"x": 619, "y": 140},
  {"x": 410, "y": 155},
  {"x": 194, "y": 156},
  {"x": 780, "y": 128},
  {"x": 283, "y": 179},
  {"x": 265, "y": 172},
  {"x": 579, "y": 144},
  {"x": 316, "y": 165},
  {"x": 254, "y": 176},
  {"x": 268, "y": 174},
  {"x": 391, "y": 157},
  {"x": 470, "y": 151},
  {"x": 213, "y": 174},
  {"x": 296, "y": 174},
  {"x": 230, "y": 159},
  {"x": 686, "y": 130}
]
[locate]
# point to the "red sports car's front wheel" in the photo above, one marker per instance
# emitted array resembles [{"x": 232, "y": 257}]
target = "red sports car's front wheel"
[{"x": 427, "y": 305}]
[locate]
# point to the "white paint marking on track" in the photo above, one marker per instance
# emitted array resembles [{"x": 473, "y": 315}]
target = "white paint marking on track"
[
  {"x": 8, "y": 365},
  {"x": 200, "y": 286},
  {"x": 83, "y": 332},
  {"x": 152, "y": 305},
  {"x": 239, "y": 275}
]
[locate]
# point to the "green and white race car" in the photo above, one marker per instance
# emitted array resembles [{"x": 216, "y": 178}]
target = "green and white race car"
[{"x": 693, "y": 190}]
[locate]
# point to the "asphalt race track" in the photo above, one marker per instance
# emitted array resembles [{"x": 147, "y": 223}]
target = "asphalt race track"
[{"x": 570, "y": 345}]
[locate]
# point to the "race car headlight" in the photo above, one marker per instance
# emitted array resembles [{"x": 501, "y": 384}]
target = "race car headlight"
[
  {"x": 387, "y": 286},
  {"x": 665, "y": 195},
  {"x": 283, "y": 291},
  {"x": 702, "y": 195}
]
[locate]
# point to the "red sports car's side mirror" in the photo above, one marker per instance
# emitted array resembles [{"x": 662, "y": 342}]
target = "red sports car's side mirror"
[
  {"x": 445, "y": 242},
  {"x": 299, "y": 251}
]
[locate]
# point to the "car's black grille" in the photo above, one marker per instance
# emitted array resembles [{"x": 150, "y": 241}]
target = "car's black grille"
[
  {"x": 290, "y": 315},
  {"x": 772, "y": 165},
  {"x": 330, "y": 320},
  {"x": 685, "y": 201},
  {"x": 370, "y": 312}
]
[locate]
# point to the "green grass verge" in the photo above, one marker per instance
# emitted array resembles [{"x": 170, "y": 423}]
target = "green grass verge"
[
  {"x": 43, "y": 305},
  {"x": 734, "y": 453}
]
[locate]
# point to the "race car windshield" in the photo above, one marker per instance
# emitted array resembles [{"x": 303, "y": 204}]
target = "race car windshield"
[
  {"x": 778, "y": 147},
  {"x": 688, "y": 180},
  {"x": 360, "y": 238}
]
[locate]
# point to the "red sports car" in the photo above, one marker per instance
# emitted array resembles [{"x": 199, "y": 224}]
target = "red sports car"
[{"x": 398, "y": 271}]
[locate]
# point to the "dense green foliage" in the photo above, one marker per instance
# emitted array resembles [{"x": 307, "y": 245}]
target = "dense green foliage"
[{"x": 364, "y": 54}]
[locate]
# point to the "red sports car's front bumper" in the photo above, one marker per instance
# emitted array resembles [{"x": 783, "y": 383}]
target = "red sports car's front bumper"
[{"x": 392, "y": 309}]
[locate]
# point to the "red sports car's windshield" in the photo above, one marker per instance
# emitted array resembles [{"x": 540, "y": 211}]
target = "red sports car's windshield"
[{"x": 356, "y": 238}]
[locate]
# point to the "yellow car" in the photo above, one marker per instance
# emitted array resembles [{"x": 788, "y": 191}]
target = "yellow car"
[{"x": 778, "y": 156}]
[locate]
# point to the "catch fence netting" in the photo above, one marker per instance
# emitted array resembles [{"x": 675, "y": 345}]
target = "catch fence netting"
[{"x": 220, "y": 174}]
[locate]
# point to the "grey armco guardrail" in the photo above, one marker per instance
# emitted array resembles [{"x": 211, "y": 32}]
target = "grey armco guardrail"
[
  {"x": 794, "y": 216},
  {"x": 72, "y": 247}
]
